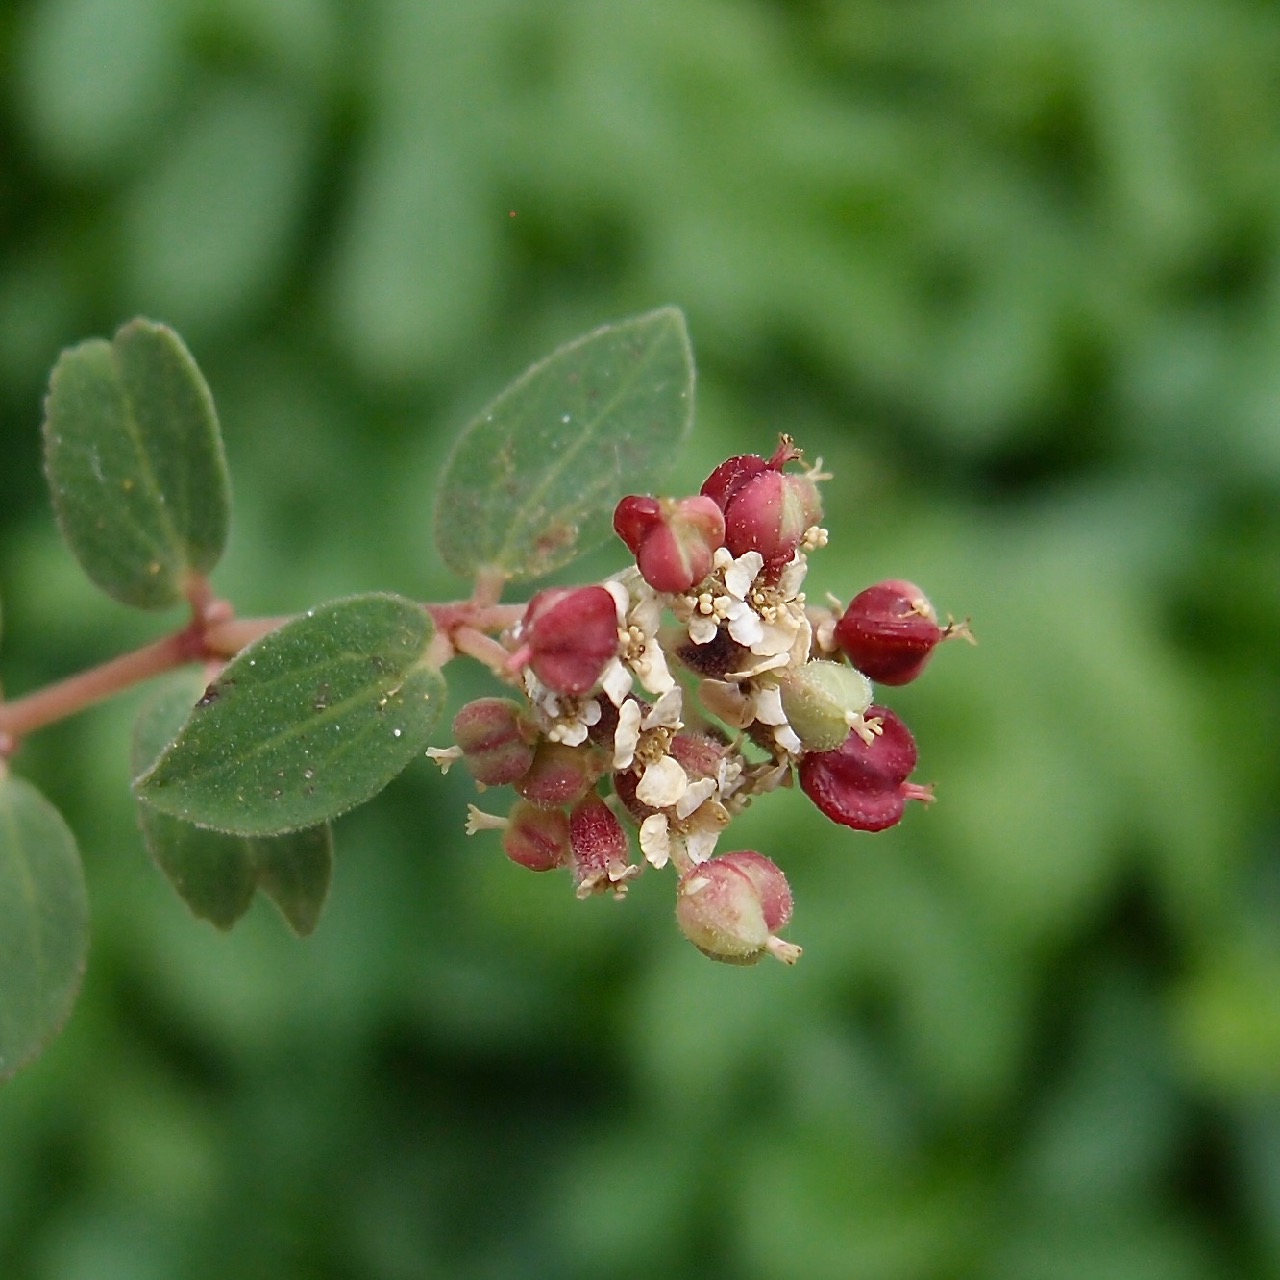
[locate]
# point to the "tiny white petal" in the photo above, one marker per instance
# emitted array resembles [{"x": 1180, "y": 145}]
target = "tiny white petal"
[
  {"x": 695, "y": 793},
  {"x": 702, "y": 630},
  {"x": 701, "y": 844},
  {"x": 666, "y": 711},
  {"x": 785, "y": 736},
  {"x": 651, "y": 669},
  {"x": 791, "y": 578},
  {"x": 616, "y": 682},
  {"x": 663, "y": 783},
  {"x": 775, "y": 637},
  {"x": 739, "y": 576},
  {"x": 745, "y": 626},
  {"x": 572, "y": 733},
  {"x": 771, "y": 663},
  {"x": 589, "y": 713},
  {"x": 621, "y": 598},
  {"x": 646, "y": 615},
  {"x": 655, "y": 839},
  {"x": 767, "y": 704},
  {"x": 626, "y": 735}
]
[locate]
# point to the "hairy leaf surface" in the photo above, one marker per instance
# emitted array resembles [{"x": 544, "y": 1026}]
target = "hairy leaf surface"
[
  {"x": 534, "y": 479},
  {"x": 313, "y": 719},
  {"x": 44, "y": 922},
  {"x": 213, "y": 872},
  {"x": 135, "y": 464}
]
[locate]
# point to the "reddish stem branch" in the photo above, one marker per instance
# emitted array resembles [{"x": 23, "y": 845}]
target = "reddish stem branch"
[
  {"x": 214, "y": 635},
  {"x": 64, "y": 698}
]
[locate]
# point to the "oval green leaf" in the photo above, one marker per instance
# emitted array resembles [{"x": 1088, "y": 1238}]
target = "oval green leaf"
[
  {"x": 135, "y": 464},
  {"x": 44, "y": 922},
  {"x": 215, "y": 873},
  {"x": 534, "y": 479},
  {"x": 310, "y": 721}
]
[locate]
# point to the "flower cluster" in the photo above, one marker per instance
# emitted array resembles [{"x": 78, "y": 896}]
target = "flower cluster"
[{"x": 689, "y": 684}]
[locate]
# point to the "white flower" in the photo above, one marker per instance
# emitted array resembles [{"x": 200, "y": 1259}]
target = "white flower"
[
  {"x": 616, "y": 682},
  {"x": 639, "y": 617},
  {"x": 739, "y": 574},
  {"x": 662, "y": 784},
  {"x": 665, "y": 713},
  {"x": 694, "y": 794},
  {"x": 626, "y": 736},
  {"x": 655, "y": 839},
  {"x": 766, "y": 703}
]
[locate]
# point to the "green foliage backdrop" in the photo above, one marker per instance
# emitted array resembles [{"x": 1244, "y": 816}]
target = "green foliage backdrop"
[{"x": 1014, "y": 272}]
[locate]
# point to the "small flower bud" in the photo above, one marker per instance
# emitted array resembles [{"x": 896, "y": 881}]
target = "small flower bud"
[
  {"x": 864, "y": 784},
  {"x": 889, "y": 631},
  {"x": 536, "y": 838},
  {"x": 496, "y": 740},
  {"x": 570, "y": 634},
  {"x": 673, "y": 541},
  {"x": 600, "y": 852},
  {"x": 823, "y": 701},
  {"x": 559, "y": 774},
  {"x": 730, "y": 907}
]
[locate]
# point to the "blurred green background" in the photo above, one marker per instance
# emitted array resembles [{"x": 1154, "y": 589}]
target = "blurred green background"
[{"x": 1013, "y": 271}]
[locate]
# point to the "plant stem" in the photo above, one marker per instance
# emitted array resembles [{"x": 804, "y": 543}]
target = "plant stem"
[
  {"x": 213, "y": 635},
  {"x": 65, "y": 697},
  {"x": 210, "y": 636}
]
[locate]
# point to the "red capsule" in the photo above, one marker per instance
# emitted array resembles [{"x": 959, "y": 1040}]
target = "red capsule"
[
  {"x": 559, "y": 774},
  {"x": 725, "y": 481},
  {"x": 570, "y": 635},
  {"x": 889, "y": 631},
  {"x": 599, "y": 847},
  {"x": 673, "y": 540},
  {"x": 863, "y": 784},
  {"x": 496, "y": 740},
  {"x": 536, "y": 838},
  {"x": 730, "y": 908},
  {"x": 770, "y": 514}
]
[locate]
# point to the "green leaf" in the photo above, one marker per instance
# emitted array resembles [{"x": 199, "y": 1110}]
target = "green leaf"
[
  {"x": 214, "y": 873},
  {"x": 534, "y": 479},
  {"x": 44, "y": 922},
  {"x": 313, "y": 719},
  {"x": 135, "y": 464}
]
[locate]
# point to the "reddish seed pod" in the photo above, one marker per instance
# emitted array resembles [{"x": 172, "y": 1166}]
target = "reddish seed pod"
[
  {"x": 730, "y": 907},
  {"x": 725, "y": 481},
  {"x": 536, "y": 838},
  {"x": 864, "y": 785},
  {"x": 889, "y": 631},
  {"x": 770, "y": 514},
  {"x": 634, "y": 517},
  {"x": 598, "y": 844},
  {"x": 678, "y": 552},
  {"x": 730, "y": 476},
  {"x": 559, "y": 774},
  {"x": 570, "y": 635},
  {"x": 673, "y": 541},
  {"x": 496, "y": 740},
  {"x": 698, "y": 754}
]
